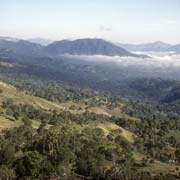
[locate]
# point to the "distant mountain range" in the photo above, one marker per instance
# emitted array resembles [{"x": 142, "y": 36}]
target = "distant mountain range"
[
  {"x": 155, "y": 47},
  {"x": 8, "y": 39},
  {"x": 41, "y": 41},
  {"x": 76, "y": 47},
  {"x": 20, "y": 47},
  {"x": 175, "y": 48},
  {"x": 86, "y": 46}
]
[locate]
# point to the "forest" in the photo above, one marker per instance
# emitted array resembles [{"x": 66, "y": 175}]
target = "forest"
[
  {"x": 62, "y": 119},
  {"x": 68, "y": 145}
]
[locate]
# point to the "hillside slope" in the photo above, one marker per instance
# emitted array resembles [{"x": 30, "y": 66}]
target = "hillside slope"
[
  {"x": 81, "y": 120},
  {"x": 87, "y": 47},
  {"x": 10, "y": 92},
  {"x": 21, "y": 98},
  {"x": 157, "y": 46}
]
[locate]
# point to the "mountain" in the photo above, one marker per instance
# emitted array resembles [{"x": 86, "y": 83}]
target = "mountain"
[
  {"x": 20, "y": 47},
  {"x": 87, "y": 47},
  {"x": 175, "y": 48},
  {"x": 41, "y": 41},
  {"x": 76, "y": 47},
  {"x": 9, "y": 39},
  {"x": 155, "y": 46}
]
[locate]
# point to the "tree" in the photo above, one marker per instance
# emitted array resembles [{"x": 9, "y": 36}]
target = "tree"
[
  {"x": 7, "y": 152},
  {"x": 177, "y": 154},
  {"x": 27, "y": 122},
  {"x": 7, "y": 173},
  {"x": 30, "y": 164}
]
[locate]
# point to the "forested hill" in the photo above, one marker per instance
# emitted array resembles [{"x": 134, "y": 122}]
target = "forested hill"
[
  {"x": 91, "y": 137},
  {"x": 69, "y": 118},
  {"x": 76, "y": 47},
  {"x": 87, "y": 47}
]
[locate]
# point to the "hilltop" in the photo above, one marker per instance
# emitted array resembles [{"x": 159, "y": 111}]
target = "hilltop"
[
  {"x": 87, "y": 47},
  {"x": 76, "y": 47}
]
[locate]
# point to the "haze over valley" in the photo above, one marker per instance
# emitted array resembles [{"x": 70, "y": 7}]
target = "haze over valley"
[{"x": 89, "y": 90}]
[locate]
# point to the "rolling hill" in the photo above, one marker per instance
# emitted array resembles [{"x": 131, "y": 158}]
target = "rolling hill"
[
  {"x": 87, "y": 47},
  {"x": 175, "y": 48},
  {"x": 76, "y": 47},
  {"x": 157, "y": 46},
  {"x": 21, "y": 47},
  {"x": 110, "y": 129},
  {"x": 9, "y": 92}
]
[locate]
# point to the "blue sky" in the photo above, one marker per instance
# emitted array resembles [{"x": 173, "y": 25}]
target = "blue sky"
[{"x": 116, "y": 20}]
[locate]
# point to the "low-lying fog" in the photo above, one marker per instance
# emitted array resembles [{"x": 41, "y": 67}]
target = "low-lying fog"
[
  {"x": 158, "y": 59},
  {"x": 164, "y": 65}
]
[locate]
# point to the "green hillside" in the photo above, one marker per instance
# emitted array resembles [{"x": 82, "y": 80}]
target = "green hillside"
[
  {"x": 10, "y": 92},
  {"x": 104, "y": 128}
]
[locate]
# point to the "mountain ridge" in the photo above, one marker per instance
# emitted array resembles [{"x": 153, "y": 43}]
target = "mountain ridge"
[
  {"x": 157, "y": 46},
  {"x": 87, "y": 46}
]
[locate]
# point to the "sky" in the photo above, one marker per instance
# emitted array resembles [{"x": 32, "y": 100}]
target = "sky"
[{"x": 124, "y": 21}]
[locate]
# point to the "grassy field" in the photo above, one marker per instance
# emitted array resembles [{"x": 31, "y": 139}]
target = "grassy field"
[
  {"x": 7, "y": 123},
  {"x": 109, "y": 127},
  {"x": 159, "y": 167},
  {"x": 23, "y": 98}
]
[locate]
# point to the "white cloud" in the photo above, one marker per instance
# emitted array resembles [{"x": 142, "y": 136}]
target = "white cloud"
[{"x": 157, "y": 60}]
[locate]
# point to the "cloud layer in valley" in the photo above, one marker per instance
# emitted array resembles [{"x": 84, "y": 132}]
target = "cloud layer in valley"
[{"x": 157, "y": 60}]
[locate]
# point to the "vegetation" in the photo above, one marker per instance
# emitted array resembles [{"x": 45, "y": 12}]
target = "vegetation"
[
  {"x": 85, "y": 145},
  {"x": 70, "y": 128}
]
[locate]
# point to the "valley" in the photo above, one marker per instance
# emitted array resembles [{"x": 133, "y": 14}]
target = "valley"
[
  {"x": 85, "y": 115},
  {"x": 103, "y": 115},
  {"x": 89, "y": 90}
]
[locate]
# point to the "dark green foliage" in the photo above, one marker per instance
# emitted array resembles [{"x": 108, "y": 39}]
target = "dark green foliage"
[
  {"x": 6, "y": 173},
  {"x": 65, "y": 152},
  {"x": 30, "y": 164},
  {"x": 7, "y": 152},
  {"x": 25, "y": 112},
  {"x": 62, "y": 148}
]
